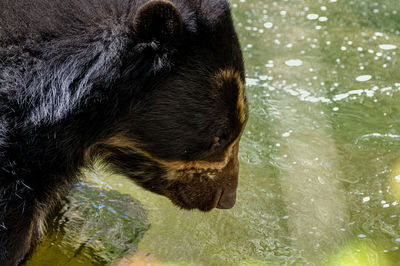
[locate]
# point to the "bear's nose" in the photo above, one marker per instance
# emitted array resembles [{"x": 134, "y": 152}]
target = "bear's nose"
[{"x": 227, "y": 199}]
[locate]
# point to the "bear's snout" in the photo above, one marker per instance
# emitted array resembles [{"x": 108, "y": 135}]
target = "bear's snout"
[
  {"x": 227, "y": 199},
  {"x": 205, "y": 189}
]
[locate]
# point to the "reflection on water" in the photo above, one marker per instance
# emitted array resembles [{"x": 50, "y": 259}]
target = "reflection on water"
[
  {"x": 94, "y": 227},
  {"x": 319, "y": 170}
]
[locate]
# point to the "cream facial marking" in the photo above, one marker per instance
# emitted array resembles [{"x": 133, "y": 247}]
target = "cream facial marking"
[
  {"x": 178, "y": 170},
  {"x": 229, "y": 74},
  {"x": 123, "y": 142}
]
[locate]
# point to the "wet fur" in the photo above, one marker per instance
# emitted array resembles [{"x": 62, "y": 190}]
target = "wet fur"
[{"x": 75, "y": 73}]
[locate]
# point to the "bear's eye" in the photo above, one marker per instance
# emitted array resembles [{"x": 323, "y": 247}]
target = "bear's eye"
[
  {"x": 215, "y": 143},
  {"x": 219, "y": 141}
]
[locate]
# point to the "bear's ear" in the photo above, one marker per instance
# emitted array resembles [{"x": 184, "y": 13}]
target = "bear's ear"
[
  {"x": 158, "y": 20},
  {"x": 215, "y": 11}
]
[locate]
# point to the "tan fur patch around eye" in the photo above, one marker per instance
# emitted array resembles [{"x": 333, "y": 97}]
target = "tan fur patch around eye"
[{"x": 229, "y": 74}]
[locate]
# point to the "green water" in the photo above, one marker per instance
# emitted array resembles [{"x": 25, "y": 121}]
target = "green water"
[{"x": 318, "y": 157}]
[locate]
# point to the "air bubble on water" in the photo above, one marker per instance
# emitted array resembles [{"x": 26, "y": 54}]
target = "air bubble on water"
[
  {"x": 251, "y": 81},
  {"x": 294, "y": 62},
  {"x": 363, "y": 78},
  {"x": 323, "y": 19},
  {"x": 369, "y": 93},
  {"x": 366, "y": 199},
  {"x": 339, "y": 97},
  {"x": 268, "y": 25},
  {"x": 312, "y": 16},
  {"x": 387, "y": 46}
]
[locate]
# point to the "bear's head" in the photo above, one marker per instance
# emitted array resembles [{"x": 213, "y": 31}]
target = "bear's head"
[{"x": 180, "y": 135}]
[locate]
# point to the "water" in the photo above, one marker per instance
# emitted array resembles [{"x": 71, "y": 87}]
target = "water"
[{"x": 319, "y": 176}]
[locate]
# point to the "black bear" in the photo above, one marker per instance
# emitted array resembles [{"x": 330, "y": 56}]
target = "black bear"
[{"x": 152, "y": 89}]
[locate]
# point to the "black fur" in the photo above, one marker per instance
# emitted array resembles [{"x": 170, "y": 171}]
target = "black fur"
[{"x": 75, "y": 73}]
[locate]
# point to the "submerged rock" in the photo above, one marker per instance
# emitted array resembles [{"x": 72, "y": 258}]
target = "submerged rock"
[{"x": 95, "y": 227}]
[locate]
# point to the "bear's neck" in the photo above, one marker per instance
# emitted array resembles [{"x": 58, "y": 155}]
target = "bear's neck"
[{"x": 70, "y": 103}]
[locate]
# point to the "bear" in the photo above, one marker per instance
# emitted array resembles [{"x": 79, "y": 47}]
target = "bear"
[{"x": 152, "y": 89}]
